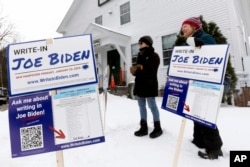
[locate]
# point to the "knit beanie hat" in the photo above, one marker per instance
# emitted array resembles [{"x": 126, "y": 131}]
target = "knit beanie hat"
[
  {"x": 147, "y": 40},
  {"x": 193, "y": 21}
]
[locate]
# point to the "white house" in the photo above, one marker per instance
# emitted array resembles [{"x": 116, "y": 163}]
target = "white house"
[{"x": 116, "y": 26}]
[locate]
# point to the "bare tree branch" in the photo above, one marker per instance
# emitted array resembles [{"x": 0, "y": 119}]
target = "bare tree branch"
[{"x": 7, "y": 34}]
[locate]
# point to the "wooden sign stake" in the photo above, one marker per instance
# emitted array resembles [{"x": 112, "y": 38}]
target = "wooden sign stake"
[
  {"x": 59, "y": 159},
  {"x": 179, "y": 142}
]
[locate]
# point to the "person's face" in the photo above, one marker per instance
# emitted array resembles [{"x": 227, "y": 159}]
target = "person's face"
[
  {"x": 142, "y": 45},
  {"x": 187, "y": 30}
]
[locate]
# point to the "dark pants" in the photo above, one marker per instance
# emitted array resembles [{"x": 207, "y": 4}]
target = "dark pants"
[{"x": 206, "y": 137}]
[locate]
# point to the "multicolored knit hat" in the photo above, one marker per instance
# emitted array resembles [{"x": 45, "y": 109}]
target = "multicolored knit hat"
[{"x": 193, "y": 21}]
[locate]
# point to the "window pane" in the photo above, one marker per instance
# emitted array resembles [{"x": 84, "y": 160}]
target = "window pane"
[
  {"x": 167, "y": 46},
  {"x": 98, "y": 20},
  {"x": 167, "y": 56},
  {"x": 134, "y": 49},
  {"x": 125, "y": 8},
  {"x": 126, "y": 18},
  {"x": 168, "y": 41},
  {"x": 134, "y": 53}
]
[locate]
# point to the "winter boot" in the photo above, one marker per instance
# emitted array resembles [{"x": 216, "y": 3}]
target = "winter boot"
[
  {"x": 143, "y": 130},
  {"x": 210, "y": 154},
  {"x": 157, "y": 130}
]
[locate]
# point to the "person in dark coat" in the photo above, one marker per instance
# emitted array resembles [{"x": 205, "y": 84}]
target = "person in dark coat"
[
  {"x": 146, "y": 86},
  {"x": 203, "y": 136}
]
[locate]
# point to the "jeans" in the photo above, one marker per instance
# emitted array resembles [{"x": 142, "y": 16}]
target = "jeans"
[{"x": 151, "y": 104}]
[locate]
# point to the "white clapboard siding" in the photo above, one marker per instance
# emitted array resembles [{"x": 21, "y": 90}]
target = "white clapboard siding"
[{"x": 159, "y": 18}]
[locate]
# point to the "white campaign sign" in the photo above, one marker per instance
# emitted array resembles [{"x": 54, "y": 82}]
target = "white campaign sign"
[
  {"x": 40, "y": 65},
  {"x": 206, "y": 63},
  {"x": 54, "y": 99}
]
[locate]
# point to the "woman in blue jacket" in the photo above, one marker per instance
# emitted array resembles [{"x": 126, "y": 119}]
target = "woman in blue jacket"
[{"x": 204, "y": 137}]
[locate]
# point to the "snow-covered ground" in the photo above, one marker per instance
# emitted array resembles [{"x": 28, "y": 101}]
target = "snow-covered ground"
[{"x": 123, "y": 149}]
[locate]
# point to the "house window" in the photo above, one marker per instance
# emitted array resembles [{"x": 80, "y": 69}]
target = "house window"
[
  {"x": 125, "y": 13},
  {"x": 167, "y": 46},
  {"x": 134, "y": 53},
  {"x": 98, "y": 20}
]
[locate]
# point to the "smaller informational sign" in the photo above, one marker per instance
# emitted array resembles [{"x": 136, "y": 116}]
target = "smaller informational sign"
[
  {"x": 47, "y": 65},
  {"x": 195, "y": 100},
  {"x": 206, "y": 63},
  {"x": 55, "y": 120}
]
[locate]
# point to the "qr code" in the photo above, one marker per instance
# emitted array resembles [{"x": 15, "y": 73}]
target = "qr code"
[
  {"x": 172, "y": 102},
  {"x": 31, "y": 137}
]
